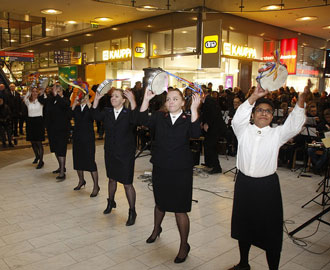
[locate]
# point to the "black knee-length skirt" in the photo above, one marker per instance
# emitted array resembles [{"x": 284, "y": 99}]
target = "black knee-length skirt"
[
  {"x": 258, "y": 212},
  {"x": 35, "y": 129},
  {"x": 172, "y": 189}
]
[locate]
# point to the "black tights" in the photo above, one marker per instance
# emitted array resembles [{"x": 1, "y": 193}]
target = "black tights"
[
  {"x": 129, "y": 191},
  {"x": 272, "y": 255},
  {"x": 183, "y": 223},
  {"x": 61, "y": 164},
  {"x": 38, "y": 150},
  {"x": 94, "y": 175}
]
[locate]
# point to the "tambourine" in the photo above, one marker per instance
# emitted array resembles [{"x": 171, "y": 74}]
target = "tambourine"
[
  {"x": 106, "y": 85},
  {"x": 157, "y": 80},
  {"x": 43, "y": 83},
  {"x": 272, "y": 75}
]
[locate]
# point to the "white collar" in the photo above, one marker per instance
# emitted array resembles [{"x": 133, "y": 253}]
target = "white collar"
[
  {"x": 174, "y": 117},
  {"x": 118, "y": 111},
  {"x": 82, "y": 106}
]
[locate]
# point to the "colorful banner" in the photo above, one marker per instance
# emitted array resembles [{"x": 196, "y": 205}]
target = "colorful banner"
[{"x": 289, "y": 49}]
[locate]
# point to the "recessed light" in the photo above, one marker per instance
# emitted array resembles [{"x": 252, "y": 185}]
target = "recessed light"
[
  {"x": 103, "y": 19},
  {"x": 271, "y": 7},
  {"x": 262, "y": 34},
  {"x": 66, "y": 40},
  {"x": 306, "y": 18},
  {"x": 326, "y": 27},
  {"x": 89, "y": 35},
  {"x": 27, "y": 36},
  {"x": 71, "y": 22},
  {"x": 48, "y": 29},
  {"x": 146, "y": 8},
  {"x": 47, "y": 44},
  {"x": 149, "y": 25},
  {"x": 184, "y": 32},
  {"x": 51, "y": 11},
  {"x": 30, "y": 50},
  {"x": 194, "y": 18},
  {"x": 13, "y": 40},
  {"x": 231, "y": 28},
  {"x": 114, "y": 28}
]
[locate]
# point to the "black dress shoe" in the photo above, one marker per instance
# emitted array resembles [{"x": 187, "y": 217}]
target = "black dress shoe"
[
  {"x": 80, "y": 185},
  {"x": 131, "y": 217},
  {"x": 238, "y": 267},
  {"x": 60, "y": 178},
  {"x": 94, "y": 193},
  {"x": 181, "y": 260},
  {"x": 59, "y": 170},
  {"x": 35, "y": 161},
  {"x": 111, "y": 204},
  {"x": 215, "y": 171},
  {"x": 40, "y": 165},
  {"x": 151, "y": 240}
]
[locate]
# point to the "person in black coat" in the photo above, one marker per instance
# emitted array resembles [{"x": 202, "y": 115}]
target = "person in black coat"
[
  {"x": 83, "y": 147},
  {"x": 15, "y": 104},
  {"x": 213, "y": 125},
  {"x": 5, "y": 123},
  {"x": 58, "y": 124},
  {"x": 172, "y": 160},
  {"x": 119, "y": 146}
]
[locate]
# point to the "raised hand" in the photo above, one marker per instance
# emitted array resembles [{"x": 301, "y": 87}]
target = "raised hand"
[
  {"x": 148, "y": 95},
  {"x": 131, "y": 98},
  {"x": 258, "y": 93},
  {"x": 196, "y": 100}
]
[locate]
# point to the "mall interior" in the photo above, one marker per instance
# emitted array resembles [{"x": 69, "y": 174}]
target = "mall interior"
[{"x": 46, "y": 224}]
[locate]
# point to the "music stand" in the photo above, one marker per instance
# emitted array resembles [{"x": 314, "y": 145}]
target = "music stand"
[{"x": 232, "y": 171}]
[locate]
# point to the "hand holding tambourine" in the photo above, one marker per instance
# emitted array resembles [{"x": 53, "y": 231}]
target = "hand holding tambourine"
[{"x": 149, "y": 95}]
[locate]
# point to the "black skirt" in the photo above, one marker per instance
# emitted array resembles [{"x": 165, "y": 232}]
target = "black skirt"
[
  {"x": 258, "y": 212},
  {"x": 35, "y": 129},
  {"x": 58, "y": 141},
  {"x": 84, "y": 156},
  {"x": 173, "y": 189}
]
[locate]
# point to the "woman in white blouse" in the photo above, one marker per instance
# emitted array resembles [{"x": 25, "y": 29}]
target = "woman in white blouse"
[
  {"x": 257, "y": 217},
  {"x": 35, "y": 129}
]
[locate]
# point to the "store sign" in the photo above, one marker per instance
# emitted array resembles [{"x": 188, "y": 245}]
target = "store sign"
[
  {"x": 140, "y": 50},
  {"x": 289, "y": 48},
  {"x": 116, "y": 54},
  {"x": 16, "y": 56},
  {"x": 211, "y": 44},
  {"x": 229, "y": 82},
  {"x": 269, "y": 48},
  {"x": 239, "y": 51}
]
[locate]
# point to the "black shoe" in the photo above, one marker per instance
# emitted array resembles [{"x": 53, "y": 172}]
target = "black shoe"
[
  {"x": 60, "y": 178},
  {"x": 238, "y": 267},
  {"x": 80, "y": 185},
  {"x": 11, "y": 145},
  {"x": 15, "y": 141},
  {"x": 215, "y": 171},
  {"x": 40, "y": 165},
  {"x": 206, "y": 165},
  {"x": 151, "y": 240},
  {"x": 181, "y": 260},
  {"x": 59, "y": 170},
  {"x": 94, "y": 194},
  {"x": 131, "y": 217},
  {"x": 111, "y": 204},
  {"x": 35, "y": 161}
]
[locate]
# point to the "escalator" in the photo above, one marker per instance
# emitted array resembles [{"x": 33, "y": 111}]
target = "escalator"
[{"x": 3, "y": 77}]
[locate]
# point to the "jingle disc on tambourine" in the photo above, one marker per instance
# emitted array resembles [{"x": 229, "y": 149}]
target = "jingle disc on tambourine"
[
  {"x": 104, "y": 87},
  {"x": 272, "y": 76},
  {"x": 156, "y": 79}
]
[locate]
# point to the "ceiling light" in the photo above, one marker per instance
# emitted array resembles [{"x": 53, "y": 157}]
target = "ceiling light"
[
  {"x": 146, "y": 8},
  {"x": 326, "y": 27},
  {"x": 66, "y": 40},
  {"x": 184, "y": 32},
  {"x": 71, "y": 22},
  {"x": 149, "y": 25},
  {"x": 13, "y": 40},
  {"x": 47, "y": 44},
  {"x": 306, "y": 18},
  {"x": 48, "y": 29},
  {"x": 114, "y": 28},
  {"x": 262, "y": 34},
  {"x": 30, "y": 50},
  {"x": 194, "y": 18},
  {"x": 89, "y": 35},
  {"x": 231, "y": 28},
  {"x": 103, "y": 19},
  {"x": 27, "y": 36},
  {"x": 51, "y": 11},
  {"x": 271, "y": 7}
]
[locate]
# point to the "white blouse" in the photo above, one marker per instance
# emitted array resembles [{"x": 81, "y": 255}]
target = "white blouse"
[
  {"x": 258, "y": 147},
  {"x": 117, "y": 112},
  {"x": 34, "y": 107},
  {"x": 175, "y": 117}
]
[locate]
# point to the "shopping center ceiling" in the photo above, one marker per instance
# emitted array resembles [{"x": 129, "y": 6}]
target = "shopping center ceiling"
[{"x": 121, "y": 11}]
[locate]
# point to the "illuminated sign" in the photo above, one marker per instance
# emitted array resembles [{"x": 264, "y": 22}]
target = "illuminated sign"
[
  {"x": 239, "y": 51},
  {"x": 289, "y": 48},
  {"x": 211, "y": 44},
  {"x": 269, "y": 48},
  {"x": 140, "y": 50},
  {"x": 116, "y": 54},
  {"x": 16, "y": 56}
]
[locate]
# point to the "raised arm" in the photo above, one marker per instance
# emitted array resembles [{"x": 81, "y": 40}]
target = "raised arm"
[
  {"x": 148, "y": 95},
  {"x": 196, "y": 100},
  {"x": 129, "y": 95}
]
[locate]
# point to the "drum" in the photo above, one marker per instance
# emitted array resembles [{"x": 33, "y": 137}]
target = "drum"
[
  {"x": 104, "y": 87},
  {"x": 272, "y": 76},
  {"x": 156, "y": 80}
]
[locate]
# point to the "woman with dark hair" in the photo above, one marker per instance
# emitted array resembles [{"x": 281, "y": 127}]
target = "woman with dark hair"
[
  {"x": 83, "y": 147},
  {"x": 172, "y": 161},
  {"x": 35, "y": 128},
  {"x": 119, "y": 146},
  {"x": 57, "y": 108}
]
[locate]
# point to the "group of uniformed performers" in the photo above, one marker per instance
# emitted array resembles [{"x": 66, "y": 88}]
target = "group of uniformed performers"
[{"x": 257, "y": 217}]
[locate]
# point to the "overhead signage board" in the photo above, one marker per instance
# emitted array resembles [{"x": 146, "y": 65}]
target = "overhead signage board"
[
  {"x": 289, "y": 49},
  {"x": 62, "y": 57},
  {"x": 16, "y": 56},
  {"x": 210, "y": 39},
  {"x": 211, "y": 44}
]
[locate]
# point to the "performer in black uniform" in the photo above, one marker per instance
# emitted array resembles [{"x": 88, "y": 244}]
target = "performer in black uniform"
[
  {"x": 119, "y": 147},
  {"x": 58, "y": 124},
  {"x": 172, "y": 160},
  {"x": 83, "y": 147}
]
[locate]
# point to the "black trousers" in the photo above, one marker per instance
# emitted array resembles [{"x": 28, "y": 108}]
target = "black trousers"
[
  {"x": 14, "y": 123},
  {"x": 210, "y": 151}
]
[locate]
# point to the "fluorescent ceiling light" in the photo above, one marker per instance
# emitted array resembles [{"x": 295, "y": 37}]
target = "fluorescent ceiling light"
[
  {"x": 66, "y": 40},
  {"x": 271, "y": 7},
  {"x": 306, "y": 18},
  {"x": 103, "y": 19},
  {"x": 51, "y": 11},
  {"x": 71, "y": 22},
  {"x": 326, "y": 27}
]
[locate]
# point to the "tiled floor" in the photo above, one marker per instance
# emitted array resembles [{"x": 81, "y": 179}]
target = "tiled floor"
[{"x": 47, "y": 225}]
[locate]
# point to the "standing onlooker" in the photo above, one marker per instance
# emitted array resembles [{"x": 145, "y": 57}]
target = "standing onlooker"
[
  {"x": 35, "y": 128},
  {"x": 14, "y": 102},
  {"x": 5, "y": 123}
]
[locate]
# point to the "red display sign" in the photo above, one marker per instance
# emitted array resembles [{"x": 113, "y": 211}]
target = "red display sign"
[
  {"x": 269, "y": 48},
  {"x": 289, "y": 49}
]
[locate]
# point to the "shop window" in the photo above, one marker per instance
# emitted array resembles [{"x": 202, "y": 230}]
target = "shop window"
[
  {"x": 160, "y": 43},
  {"x": 120, "y": 43},
  {"x": 238, "y": 38},
  {"x": 185, "y": 40},
  {"x": 89, "y": 50},
  {"x": 100, "y": 47},
  {"x": 225, "y": 36},
  {"x": 258, "y": 44},
  {"x": 35, "y": 64},
  {"x": 43, "y": 60}
]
